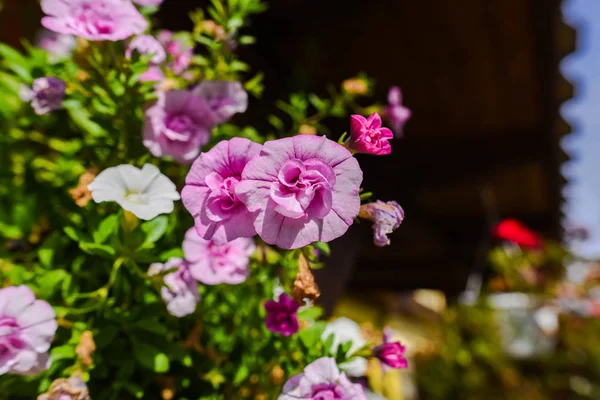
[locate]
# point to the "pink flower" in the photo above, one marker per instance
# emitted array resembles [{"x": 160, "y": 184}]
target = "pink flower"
[
  {"x": 213, "y": 263},
  {"x": 93, "y": 19},
  {"x": 152, "y": 74},
  {"x": 396, "y": 114},
  {"x": 391, "y": 354},
  {"x": 146, "y": 45},
  {"x": 27, "y": 327},
  {"x": 180, "y": 291},
  {"x": 178, "y": 125},
  {"x": 322, "y": 380},
  {"x": 46, "y": 95},
  {"x": 386, "y": 218},
  {"x": 304, "y": 189},
  {"x": 281, "y": 315},
  {"x": 210, "y": 191},
  {"x": 367, "y": 135},
  {"x": 57, "y": 45},
  {"x": 180, "y": 52},
  {"x": 148, "y": 3},
  {"x": 225, "y": 98}
]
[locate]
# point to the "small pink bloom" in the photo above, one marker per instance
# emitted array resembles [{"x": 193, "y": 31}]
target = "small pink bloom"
[
  {"x": 153, "y": 74},
  {"x": 111, "y": 20},
  {"x": 391, "y": 354},
  {"x": 396, "y": 114},
  {"x": 47, "y": 94},
  {"x": 367, "y": 135},
  {"x": 210, "y": 191},
  {"x": 57, "y": 45},
  {"x": 180, "y": 290},
  {"x": 322, "y": 380},
  {"x": 177, "y": 125},
  {"x": 281, "y": 315},
  {"x": 225, "y": 98},
  {"x": 386, "y": 218},
  {"x": 180, "y": 52},
  {"x": 146, "y": 45},
  {"x": 212, "y": 263},
  {"x": 27, "y": 328},
  {"x": 303, "y": 189}
]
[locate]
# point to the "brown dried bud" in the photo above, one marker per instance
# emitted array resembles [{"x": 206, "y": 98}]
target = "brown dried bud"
[
  {"x": 307, "y": 130},
  {"x": 81, "y": 194},
  {"x": 86, "y": 348},
  {"x": 73, "y": 388},
  {"x": 213, "y": 29},
  {"x": 355, "y": 86},
  {"x": 305, "y": 286}
]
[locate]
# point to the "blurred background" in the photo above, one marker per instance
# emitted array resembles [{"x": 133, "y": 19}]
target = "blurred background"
[{"x": 497, "y": 132}]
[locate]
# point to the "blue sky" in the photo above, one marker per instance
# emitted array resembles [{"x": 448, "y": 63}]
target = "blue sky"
[{"x": 582, "y": 207}]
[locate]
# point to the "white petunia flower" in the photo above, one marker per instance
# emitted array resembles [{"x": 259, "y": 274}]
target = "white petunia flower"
[
  {"x": 345, "y": 330},
  {"x": 144, "y": 192}
]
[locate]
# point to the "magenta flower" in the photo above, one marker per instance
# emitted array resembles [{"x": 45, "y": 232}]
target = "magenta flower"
[
  {"x": 367, "y": 135},
  {"x": 46, "y": 95},
  {"x": 322, "y": 380},
  {"x": 152, "y": 74},
  {"x": 27, "y": 328},
  {"x": 386, "y": 218},
  {"x": 180, "y": 52},
  {"x": 304, "y": 189},
  {"x": 391, "y": 354},
  {"x": 110, "y": 20},
  {"x": 212, "y": 263},
  {"x": 146, "y": 45},
  {"x": 178, "y": 125},
  {"x": 225, "y": 98},
  {"x": 180, "y": 291},
  {"x": 281, "y": 315},
  {"x": 396, "y": 114},
  {"x": 210, "y": 191}
]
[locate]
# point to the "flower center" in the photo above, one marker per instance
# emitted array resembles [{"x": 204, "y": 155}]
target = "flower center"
[
  {"x": 9, "y": 336},
  {"x": 326, "y": 391},
  {"x": 179, "y": 127},
  {"x": 222, "y": 202},
  {"x": 93, "y": 18},
  {"x": 304, "y": 188},
  {"x": 137, "y": 198}
]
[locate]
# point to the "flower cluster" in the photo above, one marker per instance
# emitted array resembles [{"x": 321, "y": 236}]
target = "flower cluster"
[{"x": 149, "y": 293}]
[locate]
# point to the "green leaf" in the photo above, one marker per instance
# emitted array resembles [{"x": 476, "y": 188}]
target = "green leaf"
[
  {"x": 165, "y": 255},
  {"x": 323, "y": 248},
  {"x": 240, "y": 376},
  {"x": 62, "y": 352},
  {"x": 51, "y": 281},
  {"x": 97, "y": 249},
  {"x": 310, "y": 313},
  {"x": 75, "y": 235},
  {"x": 106, "y": 228},
  {"x": 81, "y": 117},
  {"x": 312, "y": 335},
  {"x": 150, "y": 357},
  {"x": 155, "y": 229}
]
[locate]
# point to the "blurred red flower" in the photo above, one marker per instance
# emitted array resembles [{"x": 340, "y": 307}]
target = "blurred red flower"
[{"x": 515, "y": 231}]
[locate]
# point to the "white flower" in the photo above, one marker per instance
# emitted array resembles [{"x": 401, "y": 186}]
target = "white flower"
[
  {"x": 345, "y": 330},
  {"x": 144, "y": 192}
]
